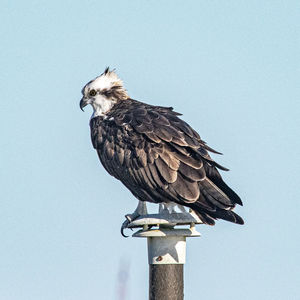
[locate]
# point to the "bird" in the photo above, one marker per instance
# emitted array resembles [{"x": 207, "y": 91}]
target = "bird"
[{"x": 158, "y": 156}]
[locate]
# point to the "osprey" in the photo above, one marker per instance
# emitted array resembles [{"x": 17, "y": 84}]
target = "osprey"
[{"x": 155, "y": 154}]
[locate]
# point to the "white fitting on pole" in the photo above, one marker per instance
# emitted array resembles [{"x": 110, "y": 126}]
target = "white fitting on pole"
[
  {"x": 167, "y": 245},
  {"x": 166, "y": 250}
]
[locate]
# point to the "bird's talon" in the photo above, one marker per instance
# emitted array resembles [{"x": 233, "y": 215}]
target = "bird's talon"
[
  {"x": 123, "y": 234},
  {"x": 124, "y": 226},
  {"x": 129, "y": 217}
]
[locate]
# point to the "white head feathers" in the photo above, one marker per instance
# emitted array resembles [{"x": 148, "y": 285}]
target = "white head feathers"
[
  {"x": 104, "y": 92},
  {"x": 105, "y": 81}
]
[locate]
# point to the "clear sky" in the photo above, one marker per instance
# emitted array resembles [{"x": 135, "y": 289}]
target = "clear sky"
[{"x": 231, "y": 68}]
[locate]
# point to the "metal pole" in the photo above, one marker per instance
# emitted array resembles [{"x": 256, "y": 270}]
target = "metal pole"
[
  {"x": 166, "y": 282},
  {"x": 166, "y": 258}
]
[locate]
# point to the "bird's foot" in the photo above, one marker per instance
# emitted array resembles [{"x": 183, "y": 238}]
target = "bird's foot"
[
  {"x": 139, "y": 211},
  {"x": 169, "y": 208},
  {"x": 129, "y": 219}
]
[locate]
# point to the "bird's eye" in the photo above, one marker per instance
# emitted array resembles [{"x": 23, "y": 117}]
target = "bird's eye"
[{"x": 92, "y": 93}]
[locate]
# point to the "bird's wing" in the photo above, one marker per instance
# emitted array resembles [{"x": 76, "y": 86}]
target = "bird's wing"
[{"x": 159, "y": 157}]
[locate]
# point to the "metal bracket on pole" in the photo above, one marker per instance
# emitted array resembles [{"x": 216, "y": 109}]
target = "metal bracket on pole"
[{"x": 166, "y": 251}]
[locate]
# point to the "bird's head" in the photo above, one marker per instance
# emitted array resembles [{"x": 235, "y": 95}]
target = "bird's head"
[{"x": 103, "y": 92}]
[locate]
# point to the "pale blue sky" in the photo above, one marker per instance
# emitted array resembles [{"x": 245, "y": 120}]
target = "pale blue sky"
[{"x": 231, "y": 68}]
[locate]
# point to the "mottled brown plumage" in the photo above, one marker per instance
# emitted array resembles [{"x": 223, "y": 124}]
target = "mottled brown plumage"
[{"x": 160, "y": 158}]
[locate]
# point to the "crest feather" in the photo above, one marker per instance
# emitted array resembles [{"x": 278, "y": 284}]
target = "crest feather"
[{"x": 106, "y": 70}]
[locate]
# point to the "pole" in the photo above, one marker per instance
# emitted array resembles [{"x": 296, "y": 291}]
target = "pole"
[
  {"x": 166, "y": 258},
  {"x": 166, "y": 282}
]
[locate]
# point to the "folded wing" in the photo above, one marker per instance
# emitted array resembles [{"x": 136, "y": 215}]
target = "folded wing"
[{"x": 160, "y": 158}]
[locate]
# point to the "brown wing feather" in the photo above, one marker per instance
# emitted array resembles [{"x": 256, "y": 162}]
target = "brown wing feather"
[{"x": 159, "y": 158}]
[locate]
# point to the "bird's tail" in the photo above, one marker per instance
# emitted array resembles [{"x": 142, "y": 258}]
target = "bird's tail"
[
  {"x": 209, "y": 217},
  {"x": 216, "y": 201}
]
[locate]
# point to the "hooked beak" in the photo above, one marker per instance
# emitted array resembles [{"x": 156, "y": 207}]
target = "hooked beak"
[{"x": 83, "y": 103}]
